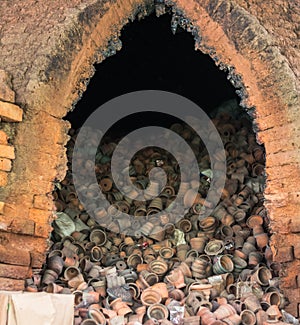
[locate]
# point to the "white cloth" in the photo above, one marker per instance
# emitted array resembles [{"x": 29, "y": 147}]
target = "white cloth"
[{"x": 25, "y": 308}]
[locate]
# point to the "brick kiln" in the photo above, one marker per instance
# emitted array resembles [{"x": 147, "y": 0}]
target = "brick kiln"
[{"x": 47, "y": 56}]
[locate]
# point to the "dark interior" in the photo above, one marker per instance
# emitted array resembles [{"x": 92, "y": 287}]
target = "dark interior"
[{"x": 153, "y": 58}]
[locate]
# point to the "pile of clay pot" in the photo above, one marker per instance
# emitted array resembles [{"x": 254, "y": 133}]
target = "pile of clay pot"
[{"x": 208, "y": 270}]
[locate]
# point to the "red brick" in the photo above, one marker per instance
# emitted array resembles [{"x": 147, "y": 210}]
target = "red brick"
[
  {"x": 284, "y": 254},
  {"x": 11, "y": 284},
  {"x": 12, "y": 255},
  {"x": 297, "y": 250},
  {"x": 10, "y": 112},
  {"x": 40, "y": 216},
  {"x": 14, "y": 271},
  {"x": 295, "y": 226},
  {"x": 7, "y": 151},
  {"x": 6, "y": 92},
  {"x": 5, "y": 164},
  {"x": 3, "y": 137},
  {"x": 25, "y": 227},
  {"x": 37, "y": 259},
  {"x": 2, "y": 204},
  {"x": 43, "y": 202},
  {"x": 3, "y": 178},
  {"x": 42, "y": 230}
]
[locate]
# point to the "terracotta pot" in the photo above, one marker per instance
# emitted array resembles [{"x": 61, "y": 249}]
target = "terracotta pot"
[
  {"x": 176, "y": 294},
  {"x": 248, "y": 317},
  {"x": 89, "y": 322},
  {"x": 181, "y": 251},
  {"x": 176, "y": 278},
  {"x": 49, "y": 277},
  {"x": 184, "y": 225},
  {"x": 272, "y": 298},
  {"x": 262, "y": 276},
  {"x": 262, "y": 240},
  {"x": 120, "y": 307},
  {"x": 55, "y": 263},
  {"x": 255, "y": 258},
  {"x": 96, "y": 315},
  {"x": 198, "y": 243},
  {"x": 98, "y": 236},
  {"x": 252, "y": 302},
  {"x": 150, "y": 297},
  {"x": 185, "y": 269},
  {"x": 224, "y": 311},
  {"x": 261, "y": 317},
  {"x": 150, "y": 277},
  {"x": 76, "y": 281},
  {"x": 166, "y": 252},
  {"x": 234, "y": 319},
  {"x": 224, "y": 264},
  {"x": 214, "y": 247},
  {"x": 159, "y": 267},
  {"x": 158, "y": 311},
  {"x": 162, "y": 289}
]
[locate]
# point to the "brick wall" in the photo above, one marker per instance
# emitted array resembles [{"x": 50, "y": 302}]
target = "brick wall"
[{"x": 47, "y": 57}]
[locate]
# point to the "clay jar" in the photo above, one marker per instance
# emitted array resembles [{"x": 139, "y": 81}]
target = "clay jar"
[{"x": 150, "y": 297}]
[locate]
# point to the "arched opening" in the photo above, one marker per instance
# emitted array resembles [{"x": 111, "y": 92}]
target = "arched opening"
[{"x": 153, "y": 58}]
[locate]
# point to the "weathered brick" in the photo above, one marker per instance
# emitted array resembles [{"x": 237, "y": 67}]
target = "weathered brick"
[
  {"x": 10, "y": 112},
  {"x": 295, "y": 226},
  {"x": 42, "y": 230},
  {"x": 2, "y": 204},
  {"x": 3, "y": 137},
  {"x": 43, "y": 202},
  {"x": 3, "y": 178},
  {"x": 5, "y": 164},
  {"x": 6, "y": 93},
  {"x": 14, "y": 271},
  {"x": 284, "y": 254},
  {"x": 25, "y": 227},
  {"x": 11, "y": 284},
  {"x": 13, "y": 255},
  {"x": 7, "y": 151},
  {"x": 297, "y": 250},
  {"x": 40, "y": 216},
  {"x": 37, "y": 259}
]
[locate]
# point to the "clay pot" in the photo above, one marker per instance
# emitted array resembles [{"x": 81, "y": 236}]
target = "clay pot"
[
  {"x": 96, "y": 315},
  {"x": 248, "y": 317},
  {"x": 252, "y": 302},
  {"x": 214, "y": 247},
  {"x": 150, "y": 297},
  {"x": 98, "y": 236},
  {"x": 224, "y": 311},
  {"x": 162, "y": 289},
  {"x": 223, "y": 264},
  {"x": 53, "y": 288},
  {"x": 198, "y": 244},
  {"x": 272, "y": 298},
  {"x": 262, "y": 240},
  {"x": 159, "y": 267},
  {"x": 166, "y": 252},
  {"x": 176, "y": 278},
  {"x": 150, "y": 277},
  {"x": 49, "y": 277},
  {"x": 76, "y": 281},
  {"x": 184, "y": 225},
  {"x": 96, "y": 254},
  {"x": 255, "y": 258},
  {"x": 181, "y": 251},
  {"x": 134, "y": 259},
  {"x": 262, "y": 276},
  {"x": 120, "y": 307},
  {"x": 71, "y": 272},
  {"x": 185, "y": 269},
  {"x": 176, "y": 294},
  {"x": 261, "y": 317},
  {"x": 55, "y": 263},
  {"x": 158, "y": 311}
]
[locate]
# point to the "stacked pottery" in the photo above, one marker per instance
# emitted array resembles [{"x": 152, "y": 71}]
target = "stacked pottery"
[{"x": 125, "y": 264}]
